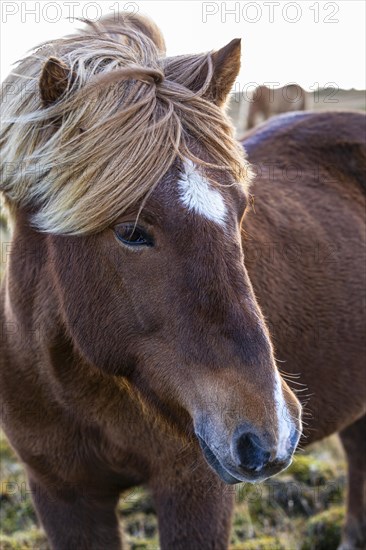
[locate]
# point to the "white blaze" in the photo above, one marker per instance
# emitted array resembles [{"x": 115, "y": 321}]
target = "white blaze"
[{"x": 198, "y": 195}]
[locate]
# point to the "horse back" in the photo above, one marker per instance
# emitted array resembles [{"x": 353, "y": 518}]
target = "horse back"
[{"x": 331, "y": 141}]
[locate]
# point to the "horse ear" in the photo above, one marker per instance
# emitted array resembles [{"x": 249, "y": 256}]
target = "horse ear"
[
  {"x": 54, "y": 80},
  {"x": 226, "y": 66}
]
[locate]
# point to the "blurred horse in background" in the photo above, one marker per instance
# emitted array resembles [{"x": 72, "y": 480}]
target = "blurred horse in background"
[{"x": 266, "y": 102}]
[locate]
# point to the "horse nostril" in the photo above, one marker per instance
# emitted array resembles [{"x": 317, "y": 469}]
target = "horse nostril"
[{"x": 251, "y": 453}]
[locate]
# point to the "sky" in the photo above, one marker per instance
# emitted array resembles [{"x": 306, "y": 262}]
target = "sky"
[{"x": 313, "y": 43}]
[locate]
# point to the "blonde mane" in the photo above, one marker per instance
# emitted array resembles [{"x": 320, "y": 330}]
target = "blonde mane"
[{"x": 127, "y": 115}]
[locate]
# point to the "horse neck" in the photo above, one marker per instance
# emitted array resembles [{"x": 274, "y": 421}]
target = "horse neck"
[{"x": 27, "y": 294}]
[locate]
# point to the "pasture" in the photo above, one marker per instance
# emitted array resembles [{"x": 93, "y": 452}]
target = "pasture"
[{"x": 301, "y": 509}]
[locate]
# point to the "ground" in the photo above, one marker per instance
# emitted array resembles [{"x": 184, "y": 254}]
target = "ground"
[{"x": 301, "y": 509}]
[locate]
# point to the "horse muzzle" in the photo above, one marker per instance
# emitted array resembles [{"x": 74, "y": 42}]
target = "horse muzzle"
[{"x": 251, "y": 458}]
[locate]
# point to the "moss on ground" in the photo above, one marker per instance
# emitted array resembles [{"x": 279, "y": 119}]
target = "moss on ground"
[
  {"x": 261, "y": 543},
  {"x": 16, "y": 507},
  {"x": 311, "y": 471},
  {"x": 298, "y": 510},
  {"x": 33, "y": 539},
  {"x": 323, "y": 531}
]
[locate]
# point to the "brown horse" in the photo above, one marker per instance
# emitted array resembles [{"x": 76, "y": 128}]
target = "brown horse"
[
  {"x": 305, "y": 253},
  {"x": 133, "y": 348},
  {"x": 266, "y": 102}
]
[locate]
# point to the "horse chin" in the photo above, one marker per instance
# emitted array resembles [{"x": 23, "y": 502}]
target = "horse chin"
[
  {"x": 216, "y": 465},
  {"x": 231, "y": 476}
]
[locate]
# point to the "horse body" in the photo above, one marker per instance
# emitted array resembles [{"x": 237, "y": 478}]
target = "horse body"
[
  {"x": 138, "y": 354},
  {"x": 306, "y": 239},
  {"x": 267, "y": 102},
  {"x": 305, "y": 251}
]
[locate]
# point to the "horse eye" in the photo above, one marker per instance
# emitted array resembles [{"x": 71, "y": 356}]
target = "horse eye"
[{"x": 133, "y": 235}]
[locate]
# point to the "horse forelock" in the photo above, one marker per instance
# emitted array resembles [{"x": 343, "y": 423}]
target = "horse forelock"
[{"x": 100, "y": 150}]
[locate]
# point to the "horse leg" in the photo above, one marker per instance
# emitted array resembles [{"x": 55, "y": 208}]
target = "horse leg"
[
  {"x": 76, "y": 519},
  {"x": 195, "y": 515},
  {"x": 251, "y": 117},
  {"x": 354, "y": 443}
]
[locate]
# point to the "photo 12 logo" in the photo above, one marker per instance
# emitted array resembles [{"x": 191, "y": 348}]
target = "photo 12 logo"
[
  {"x": 253, "y": 12},
  {"x": 53, "y": 12}
]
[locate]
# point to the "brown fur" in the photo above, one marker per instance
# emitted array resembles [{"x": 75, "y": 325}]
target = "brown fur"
[
  {"x": 305, "y": 253},
  {"x": 266, "y": 102},
  {"x": 114, "y": 360}
]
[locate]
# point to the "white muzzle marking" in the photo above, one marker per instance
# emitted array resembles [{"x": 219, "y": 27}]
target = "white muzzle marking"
[{"x": 285, "y": 423}]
